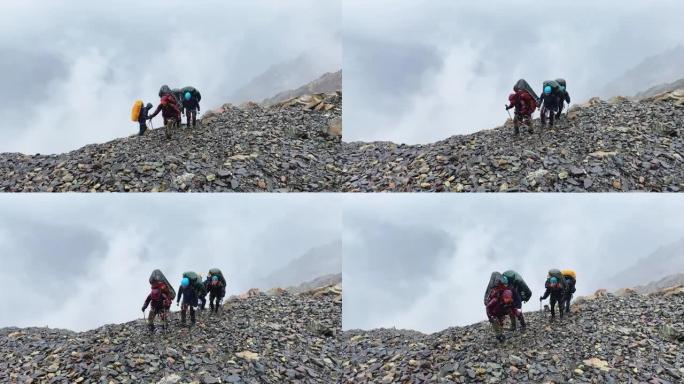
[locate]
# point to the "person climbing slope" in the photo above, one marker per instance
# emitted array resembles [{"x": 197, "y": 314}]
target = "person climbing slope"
[
  {"x": 216, "y": 292},
  {"x": 141, "y": 112},
  {"x": 499, "y": 306},
  {"x": 554, "y": 288},
  {"x": 570, "y": 280},
  {"x": 521, "y": 292},
  {"x": 524, "y": 101},
  {"x": 187, "y": 292},
  {"x": 564, "y": 96},
  {"x": 191, "y": 99},
  {"x": 170, "y": 113},
  {"x": 158, "y": 300},
  {"x": 549, "y": 102}
]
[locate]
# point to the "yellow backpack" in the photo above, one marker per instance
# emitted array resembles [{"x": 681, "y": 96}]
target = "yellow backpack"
[
  {"x": 135, "y": 112},
  {"x": 569, "y": 272}
]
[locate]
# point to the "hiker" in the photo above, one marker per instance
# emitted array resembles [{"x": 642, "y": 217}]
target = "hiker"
[
  {"x": 217, "y": 291},
  {"x": 139, "y": 114},
  {"x": 499, "y": 306},
  {"x": 524, "y": 102},
  {"x": 521, "y": 293},
  {"x": 159, "y": 301},
  {"x": 170, "y": 113},
  {"x": 564, "y": 96},
  {"x": 570, "y": 281},
  {"x": 554, "y": 288},
  {"x": 201, "y": 293},
  {"x": 187, "y": 292},
  {"x": 191, "y": 99},
  {"x": 549, "y": 102}
]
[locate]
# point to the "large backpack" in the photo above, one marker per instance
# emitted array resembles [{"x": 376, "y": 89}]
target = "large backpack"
[
  {"x": 561, "y": 82},
  {"x": 558, "y": 275},
  {"x": 193, "y": 91},
  {"x": 555, "y": 87},
  {"x": 195, "y": 281},
  {"x": 523, "y": 85},
  {"x": 519, "y": 284},
  {"x": 158, "y": 277},
  {"x": 494, "y": 280},
  {"x": 217, "y": 272},
  {"x": 135, "y": 112}
]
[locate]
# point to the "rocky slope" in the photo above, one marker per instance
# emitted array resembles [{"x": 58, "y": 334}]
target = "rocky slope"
[
  {"x": 256, "y": 338},
  {"x": 328, "y": 83},
  {"x": 608, "y": 339},
  {"x": 620, "y": 145},
  {"x": 283, "y": 148}
]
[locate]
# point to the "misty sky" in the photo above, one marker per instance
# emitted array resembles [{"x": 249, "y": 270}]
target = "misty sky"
[
  {"x": 423, "y": 261},
  {"x": 80, "y": 261},
  {"x": 420, "y": 71},
  {"x": 70, "y": 71}
]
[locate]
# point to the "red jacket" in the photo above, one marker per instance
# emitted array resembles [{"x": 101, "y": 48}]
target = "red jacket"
[
  {"x": 168, "y": 108},
  {"x": 522, "y": 101},
  {"x": 495, "y": 306}
]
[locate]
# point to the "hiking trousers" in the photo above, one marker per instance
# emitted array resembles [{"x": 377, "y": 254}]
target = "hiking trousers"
[
  {"x": 547, "y": 114},
  {"x": 521, "y": 118},
  {"x": 154, "y": 313},
  {"x": 561, "y": 306},
  {"x": 191, "y": 115},
  {"x": 170, "y": 125},
  {"x": 215, "y": 298},
  {"x": 184, "y": 310}
]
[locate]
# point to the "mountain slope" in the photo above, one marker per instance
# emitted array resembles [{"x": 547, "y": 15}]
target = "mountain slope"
[
  {"x": 608, "y": 339},
  {"x": 663, "y": 261},
  {"x": 318, "y": 261},
  {"x": 328, "y": 83},
  {"x": 258, "y": 339},
  {"x": 659, "y": 89},
  {"x": 234, "y": 149},
  {"x": 280, "y": 77},
  {"x": 658, "y": 69},
  {"x": 620, "y": 145}
]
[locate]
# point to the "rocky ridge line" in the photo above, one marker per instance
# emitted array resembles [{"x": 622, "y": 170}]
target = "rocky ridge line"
[
  {"x": 256, "y": 338},
  {"x": 608, "y": 339},
  {"x": 620, "y": 145}
]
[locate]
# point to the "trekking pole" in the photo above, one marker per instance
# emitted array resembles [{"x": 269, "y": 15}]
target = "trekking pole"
[{"x": 509, "y": 113}]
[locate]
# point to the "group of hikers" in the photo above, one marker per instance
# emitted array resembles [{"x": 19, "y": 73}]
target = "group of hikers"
[
  {"x": 525, "y": 101},
  {"x": 173, "y": 104},
  {"x": 507, "y": 291},
  {"x": 192, "y": 292}
]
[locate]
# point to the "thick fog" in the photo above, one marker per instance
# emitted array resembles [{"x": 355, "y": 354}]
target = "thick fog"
[
  {"x": 81, "y": 261},
  {"x": 70, "y": 71},
  {"x": 420, "y": 71},
  {"x": 423, "y": 261}
]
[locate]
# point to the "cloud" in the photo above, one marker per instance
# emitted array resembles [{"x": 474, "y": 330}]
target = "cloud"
[
  {"x": 73, "y": 70},
  {"x": 473, "y": 53},
  {"x": 428, "y": 270},
  {"x": 83, "y": 261}
]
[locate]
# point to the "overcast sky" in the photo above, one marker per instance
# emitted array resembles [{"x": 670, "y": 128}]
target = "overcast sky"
[
  {"x": 70, "y": 71},
  {"x": 423, "y": 261},
  {"x": 420, "y": 71},
  {"x": 81, "y": 261}
]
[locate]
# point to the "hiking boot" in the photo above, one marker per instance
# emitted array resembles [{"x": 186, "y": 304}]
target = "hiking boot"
[
  {"x": 516, "y": 131},
  {"x": 500, "y": 338},
  {"x": 151, "y": 328}
]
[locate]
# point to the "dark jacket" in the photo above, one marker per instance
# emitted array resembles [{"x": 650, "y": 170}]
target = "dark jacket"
[
  {"x": 523, "y": 103},
  {"x": 157, "y": 305},
  {"x": 188, "y": 294},
  {"x": 496, "y": 308},
  {"x": 555, "y": 292},
  {"x": 144, "y": 113},
  {"x": 168, "y": 108}
]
